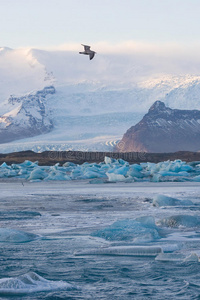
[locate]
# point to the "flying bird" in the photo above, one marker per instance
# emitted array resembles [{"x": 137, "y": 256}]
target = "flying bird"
[{"x": 87, "y": 51}]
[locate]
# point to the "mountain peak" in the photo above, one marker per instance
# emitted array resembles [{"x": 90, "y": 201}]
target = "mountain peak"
[{"x": 158, "y": 105}]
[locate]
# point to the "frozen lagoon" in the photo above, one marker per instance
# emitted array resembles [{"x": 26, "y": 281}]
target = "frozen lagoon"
[{"x": 45, "y": 224}]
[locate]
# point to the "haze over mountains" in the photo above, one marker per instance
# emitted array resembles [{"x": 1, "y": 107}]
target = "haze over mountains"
[{"x": 93, "y": 103}]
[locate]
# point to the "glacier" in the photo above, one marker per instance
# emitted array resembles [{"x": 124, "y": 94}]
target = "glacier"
[{"x": 86, "y": 114}]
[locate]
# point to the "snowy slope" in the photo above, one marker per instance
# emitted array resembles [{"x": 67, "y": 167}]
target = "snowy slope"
[
  {"x": 95, "y": 101},
  {"x": 20, "y": 73}
]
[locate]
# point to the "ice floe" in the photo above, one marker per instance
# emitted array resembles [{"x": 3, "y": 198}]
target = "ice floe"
[
  {"x": 142, "y": 229},
  {"x": 30, "y": 283},
  {"x": 16, "y": 236},
  {"x": 177, "y": 257},
  {"x": 124, "y": 251},
  {"x": 181, "y": 220},
  {"x": 162, "y": 200},
  {"x": 112, "y": 170}
]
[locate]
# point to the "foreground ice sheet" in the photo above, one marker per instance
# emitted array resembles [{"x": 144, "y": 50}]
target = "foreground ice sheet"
[
  {"x": 111, "y": 170},
  {"x": 139, "y": 251}
]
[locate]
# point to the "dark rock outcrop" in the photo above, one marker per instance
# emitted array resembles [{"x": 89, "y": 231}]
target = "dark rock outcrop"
[{"x": 163, "y": 130}]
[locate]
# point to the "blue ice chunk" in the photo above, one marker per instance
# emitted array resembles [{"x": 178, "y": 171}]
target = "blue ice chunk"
[
  {"x": 91, "y": 174},
  {"x": 121, "y": 161},
  {"x": 7, "y": 172},
  {"x": 112, "y": 177},
  {"x": 37, "y": 173},
  {"x": 119, "y": 170},
  {"x": 156, "y": 178},
  {"x": 181, "y": 220},
  {"x": 4, "y": 165},
  {"x": 162, "y": 200},
  {"x": 29, "y": 164},
  {"x": 69, "y": 164},
  {"x": 109, "y": 160},
  {"x": 57, "y": 175},
  {"x": 16, "y": 236},
  {"x": 196, "y": 178},
  {"x": 138, "y": 230},
  {"x": 169, "y": 173},
  {"x": 135, "y": 171}
]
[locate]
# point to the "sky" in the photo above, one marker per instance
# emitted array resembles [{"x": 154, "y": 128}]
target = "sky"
[{"x": 57, "y": 23}]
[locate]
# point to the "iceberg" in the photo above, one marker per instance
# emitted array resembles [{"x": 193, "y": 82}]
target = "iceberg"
[
  {"x": 138, "y": 230},
  {"x": 111, "y": 169},
  {"x": 37, "y": 173},
  {"x": 162, "y": 200},
  {"x": 192, "y": 257},
  {"x": 181, "y": 220},
  {"x": 16, "y": 236},
  {"x": 30, "y": 283},
  {"x": 112, "y": 177},
  {"x": 109, "y": 160}
]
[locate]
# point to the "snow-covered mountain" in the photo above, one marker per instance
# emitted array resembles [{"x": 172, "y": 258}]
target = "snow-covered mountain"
[
  {"x": 93, "y": 103},
  {"x": 163, "y": 129},
  {"x": 28, "y": 116}
]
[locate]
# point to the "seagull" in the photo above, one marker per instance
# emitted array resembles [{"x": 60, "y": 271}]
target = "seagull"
[{"x": 87, "y": 51}]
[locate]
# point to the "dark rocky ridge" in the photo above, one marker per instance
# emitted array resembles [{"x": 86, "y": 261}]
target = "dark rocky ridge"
[
  {"x": 78, "y": 157},
  {"x": 163, "y": 130}
]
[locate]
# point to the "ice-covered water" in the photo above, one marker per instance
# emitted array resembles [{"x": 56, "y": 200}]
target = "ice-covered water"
[{"x": 75, "y": 240}]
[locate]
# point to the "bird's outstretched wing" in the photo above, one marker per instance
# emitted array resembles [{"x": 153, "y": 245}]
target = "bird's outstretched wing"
[
  {"x": 92, "y": 54},
  {"x": 86, "y": 48}
]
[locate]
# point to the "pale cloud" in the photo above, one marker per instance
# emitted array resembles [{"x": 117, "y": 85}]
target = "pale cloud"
[
  {"x": 124, "y": 62},
  {"x": 133, "y": 47}
]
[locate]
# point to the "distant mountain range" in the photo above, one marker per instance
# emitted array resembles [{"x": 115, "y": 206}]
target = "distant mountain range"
[
  {"x": 163, "y": 130},
  {"x": 58, "y": 100}
]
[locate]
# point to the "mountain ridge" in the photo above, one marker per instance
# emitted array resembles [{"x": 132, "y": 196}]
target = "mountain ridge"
[{"x": 163, "y": 129}]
